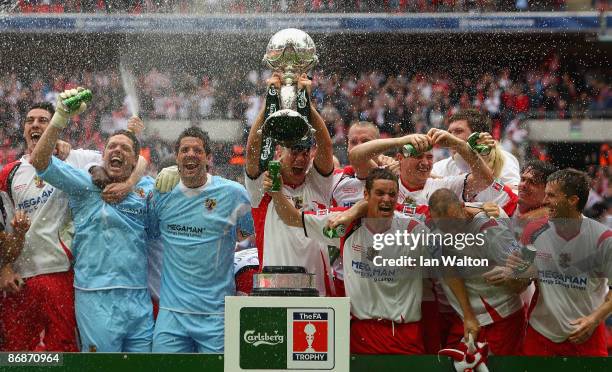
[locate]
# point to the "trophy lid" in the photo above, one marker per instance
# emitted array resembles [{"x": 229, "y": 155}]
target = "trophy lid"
[{"x": 291, "y": 47}]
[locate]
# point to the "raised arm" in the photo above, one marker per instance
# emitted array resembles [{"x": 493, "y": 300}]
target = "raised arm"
[
  {"x": 41, "y": 155},
  {"x": 324, "y": 158},
  {"x": 481, "y": 175},
  {"x": 254, "y": 141},
  {"x": 361, "y": 156}
]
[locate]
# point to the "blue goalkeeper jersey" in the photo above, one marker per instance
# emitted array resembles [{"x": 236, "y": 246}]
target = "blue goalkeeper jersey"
[
  {"x": 109, "y": 245},
  {"x": 198, "y": 227}
]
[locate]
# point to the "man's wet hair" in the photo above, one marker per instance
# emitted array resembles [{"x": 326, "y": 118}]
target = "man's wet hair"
[
  {"x": 540, "y": 169},
  {"x": 130, "y": 135},
  {"x": 477, "y": 121},
  {"x": 442, "y": 200},
  {"x": 47, "y": 106},
  {"x": 572, "y": 182},
  {"x": 196, "y": 133},
  {"x": 379, "y": 174}
]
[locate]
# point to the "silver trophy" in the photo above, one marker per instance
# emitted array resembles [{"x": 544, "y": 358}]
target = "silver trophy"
[{"x": 292, "y": 53}]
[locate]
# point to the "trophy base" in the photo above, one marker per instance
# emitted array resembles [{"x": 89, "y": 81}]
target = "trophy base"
[
  {"x": 285, "y": 292},
  {"x": 287, "y": 127},
  {"x": 284, "y": 281}
]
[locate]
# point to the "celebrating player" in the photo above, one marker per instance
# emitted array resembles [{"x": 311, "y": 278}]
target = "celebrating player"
[
  {"x": 495, "y": 301},
  {"x": 462, "y": 125},
  {"x": 45, "y": 261},
  {"x": 386, "y": 304},
  {"x": 113, "y": 307},
  {"x": 307, "y": 187},
  {"x": 573, "y": 266},
  {"x": 199, "y": 221}
]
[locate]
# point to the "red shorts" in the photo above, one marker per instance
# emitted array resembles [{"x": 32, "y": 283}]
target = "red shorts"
[
  {"x": 431, "y": 319},
  {"x": 44, "y": 304},
  {"x": 505, "y": 337},
  {"x": 244, "y": 279},
  {"x": 339, "y": 286},
  {"x": 537, "y": 344},
  {"x": 385, "y": 337}
]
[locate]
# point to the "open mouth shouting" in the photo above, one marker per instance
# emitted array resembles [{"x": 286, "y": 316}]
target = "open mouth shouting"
[
  {"x": 190, "y": 167},
  {"x": 385, "y": 209},
  {"x": 35, "y": 136},
  {"x": 297, "y": 171},
  {"x": 116, "y": 162}
]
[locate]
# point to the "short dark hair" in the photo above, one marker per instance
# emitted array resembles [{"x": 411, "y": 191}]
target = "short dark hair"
[
  {"x": 541, "y": 170},
  {"x": 43, "y": 105},
  {"x": 194, "y": 132},
  {"x": 379, "y": 174},
  {"x": 477, "y": 121},
  {"x": 442, "y": 200},
  {"x": 573, "y": 182},
  {"x": 128, "y": 134}
]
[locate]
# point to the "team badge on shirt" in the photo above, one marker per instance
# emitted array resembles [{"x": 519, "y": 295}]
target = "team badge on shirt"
[
  {"x": 39, "y": 182},
  {"x": 565, "y": 260},
  {"x": 210, "y": 203},
  {"x": 298, "y": 201},
  {"x": 409, "y": 200},
  {"x": 498, "y": 185},
  {"x": 371, "y": 253},
  {"x": 140, "y": 192}
]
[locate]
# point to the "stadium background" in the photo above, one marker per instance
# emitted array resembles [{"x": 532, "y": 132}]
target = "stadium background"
[{"x": 401, "y": 63}]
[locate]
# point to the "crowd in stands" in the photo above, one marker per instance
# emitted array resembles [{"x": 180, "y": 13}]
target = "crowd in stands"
[
  {"x": 403, "y": 102},
  {"x": 294, "y": 6},
  {"x": 397, "y": 103}
]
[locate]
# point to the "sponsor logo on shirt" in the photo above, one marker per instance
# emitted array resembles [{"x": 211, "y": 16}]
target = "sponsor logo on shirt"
[
  {"x": 182, "y": 230},
  {"x": 348, "y": 204},
  {"x": 32, "y": 204},
  {"x": 349, "y": 189},
  {"x": 20, "y": 187},
  {"x": 567, "y": 281},
  {"x": 136, "y": 211}
]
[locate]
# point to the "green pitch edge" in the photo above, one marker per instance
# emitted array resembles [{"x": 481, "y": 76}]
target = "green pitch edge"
[{"x": 214, "y": 363}]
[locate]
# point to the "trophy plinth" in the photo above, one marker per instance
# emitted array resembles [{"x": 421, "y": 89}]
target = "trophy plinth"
[{"x": 284, "y": 281}]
